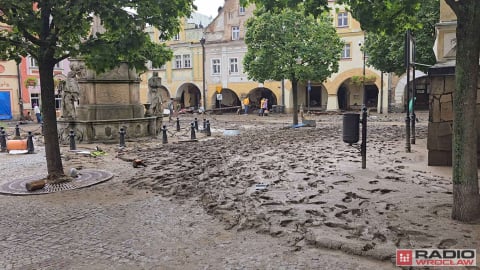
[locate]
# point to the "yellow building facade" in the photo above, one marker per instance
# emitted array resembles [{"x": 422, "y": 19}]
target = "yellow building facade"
[{"x": 225, "y": 48}]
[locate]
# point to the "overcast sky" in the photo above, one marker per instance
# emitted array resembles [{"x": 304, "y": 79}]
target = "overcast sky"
[{"x": 208, "y": 7}]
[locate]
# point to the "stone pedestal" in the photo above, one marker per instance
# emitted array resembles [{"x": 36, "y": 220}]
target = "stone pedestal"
[{"x": 108, "y": 102}]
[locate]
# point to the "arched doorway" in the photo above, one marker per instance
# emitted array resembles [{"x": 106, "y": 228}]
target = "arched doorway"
[
  {"x": 229, "y": 102},
  {"x": 371, "y": 95},
  {"x": 255, "y": 95},
  {"x": 189, "y": 96},
  {"x": 343, "y": 100},
  {"x": 316, "y": 99}
]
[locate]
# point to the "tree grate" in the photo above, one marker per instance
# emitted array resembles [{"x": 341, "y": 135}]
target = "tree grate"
[{"x": 85, "y": 178}]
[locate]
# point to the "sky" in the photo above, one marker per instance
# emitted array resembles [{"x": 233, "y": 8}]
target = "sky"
[{"x": 208, "y": 7}]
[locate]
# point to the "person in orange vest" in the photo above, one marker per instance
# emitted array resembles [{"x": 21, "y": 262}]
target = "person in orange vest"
[{"x": 246, "y": 103}]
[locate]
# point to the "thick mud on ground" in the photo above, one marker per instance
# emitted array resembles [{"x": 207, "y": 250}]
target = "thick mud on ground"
[{"x": 316, "y": 192}]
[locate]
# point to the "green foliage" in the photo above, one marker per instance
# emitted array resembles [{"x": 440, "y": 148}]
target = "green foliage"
[
  {"x": 289, "y": 45},
  {"x": 58, "y": 29},
  {"x": 31, "y": 81},
  {"x": 360, "y": 80},
  {"x": 386, "y": 51},
  {"x": 389, "y": 16}
]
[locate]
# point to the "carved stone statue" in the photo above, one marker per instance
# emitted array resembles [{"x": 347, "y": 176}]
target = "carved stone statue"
[
  {"x": 154, "y": 95},
  {"x": 70, "y": 92}
]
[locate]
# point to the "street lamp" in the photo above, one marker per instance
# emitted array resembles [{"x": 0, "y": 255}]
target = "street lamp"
[
  {"x": 363, "y": 146},
  {"x": 202, "y": 41}
]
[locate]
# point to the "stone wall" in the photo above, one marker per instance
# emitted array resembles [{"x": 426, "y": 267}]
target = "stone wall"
[
  {"x": 439, "y": 142},
  {"x": 440, "y": 126}
]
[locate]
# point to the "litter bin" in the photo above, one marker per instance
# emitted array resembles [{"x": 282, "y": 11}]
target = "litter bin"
[{"x": 351, "y": 127}]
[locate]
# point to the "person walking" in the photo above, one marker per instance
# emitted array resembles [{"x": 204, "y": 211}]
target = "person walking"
[
  {"x": 246, "y": 103},
  {"x": 265, "y": 107},
  {"x": 37, "y": 112},
  {"x": 260, "y": 111}
]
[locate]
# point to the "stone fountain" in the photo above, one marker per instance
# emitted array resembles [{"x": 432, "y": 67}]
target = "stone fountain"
[{"x": 106, "y": 103}]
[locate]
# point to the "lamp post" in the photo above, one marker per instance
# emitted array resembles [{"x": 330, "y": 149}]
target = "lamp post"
[
  {"x": 309, "y": 89},
  {"x": 202, "y": 41},
  {"x": 363, "y": 146}
]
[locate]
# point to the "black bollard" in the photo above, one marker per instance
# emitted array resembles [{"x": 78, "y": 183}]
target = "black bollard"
[
  {"x": 71, "y": 135},
  {"x": 192, "y": 132},
  {"x": 164, "y": 131},
  {"x": 363, "y": 146},
  {"x": 196, "y": 124},
  {"x": 17, "y": 132},
  {"x": 3, "y": 141},
  {"x": 178, "y": 124},
  {"x": 204, "y": 124},
  {"x": 122, "y": 137},
  {"x": 30, "y": 147},
  {"x": 209, "y": 133}
]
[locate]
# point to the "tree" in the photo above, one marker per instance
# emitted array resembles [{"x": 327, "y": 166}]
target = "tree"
[
  {"x": 53, "y": 30},
  {"x": 386, "y": 50},
  {"x": 288, "y": 45}
]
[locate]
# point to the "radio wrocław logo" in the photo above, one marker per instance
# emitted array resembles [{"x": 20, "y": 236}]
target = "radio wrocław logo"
[{"x": 436, "y": 257}]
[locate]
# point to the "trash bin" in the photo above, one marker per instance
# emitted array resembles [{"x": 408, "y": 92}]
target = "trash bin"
[{"x": 351, "y": 128}]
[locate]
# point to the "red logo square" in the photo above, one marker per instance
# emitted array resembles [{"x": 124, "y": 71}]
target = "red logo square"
[{"x": 404, "y": 257}]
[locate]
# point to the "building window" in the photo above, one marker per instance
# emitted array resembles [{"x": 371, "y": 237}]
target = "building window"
[
  {"x": 346, "y": 51},
  {"x": 186, "y": 61},
  {"x": 216, "y": 66},
  {"x": 33, "y": 62},
  {"x": 233, "y": 65},
  {"x": 58, "y": 102},
  {"x": 342, "y": 19},
  {"x": 35, "y": 99},
  {"x": 241, "y": 10},
  {"x": 176, "y": 37},
  {"x": 235, "y": 33},
  {"x": 178, "y": 61}
]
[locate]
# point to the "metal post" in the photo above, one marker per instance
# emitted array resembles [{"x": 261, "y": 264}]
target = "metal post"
[
  {"x": 414, "y": 93},
  {"x": 363, "y": 148},
  {"x": 164, "y": 133},
  {"x": 3, "y": 141},
  {"x": 72, "y": 140},
  {"x": 30, "y": 146},
  {"x": 309, "y": 89},
  {"x": 202, "y": 41},
  {"x": 204, "y": 124},
  {"x": 209, "y": 132},
  {"x": 195, "y": 122},
  {"x": 192, "y": 132},
  {"x": 407, "y": 117},
  {"x": 17, "y": 132},
  {"x": 178, "y": 124},
  {"x": 122, "y": 137}
]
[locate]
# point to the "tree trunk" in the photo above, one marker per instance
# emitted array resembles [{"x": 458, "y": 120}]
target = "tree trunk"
[
  {"x": 466, "y": 198},
  {"x": 295, "y": 100},
  {"x": 52, "y": 147}
]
